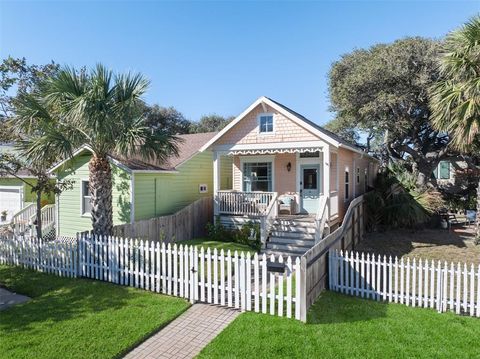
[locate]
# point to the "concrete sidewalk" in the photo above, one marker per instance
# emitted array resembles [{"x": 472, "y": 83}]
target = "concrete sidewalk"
[
  {"x": 7, "y": 299},
  {"x": 187, "y": 335}
]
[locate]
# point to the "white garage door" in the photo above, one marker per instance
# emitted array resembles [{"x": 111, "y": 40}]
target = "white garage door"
[{"x": 10, "y": 200}]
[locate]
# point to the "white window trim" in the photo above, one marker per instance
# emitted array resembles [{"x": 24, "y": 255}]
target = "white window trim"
[
  {"x": 345, "y": 197},
  {"x": 308, "y": 161},
  {"x": 272, "y": 133},
  {"x": 253, "y": 159},
  {"x": 88, "y": 215}
]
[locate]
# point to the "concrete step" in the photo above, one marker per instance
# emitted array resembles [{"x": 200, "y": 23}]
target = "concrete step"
[
  {"x": 293, "y": 248},
  {"x": 292, "y": 228},
  {"x": 294, "y": 223},
  {"x": 284, "y": 254},
  {"x": 295, "y": 241},
  {"x": 292, "y": 234}
]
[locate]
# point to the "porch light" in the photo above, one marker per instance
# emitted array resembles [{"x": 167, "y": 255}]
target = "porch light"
[{"x": 289, "y": 166}]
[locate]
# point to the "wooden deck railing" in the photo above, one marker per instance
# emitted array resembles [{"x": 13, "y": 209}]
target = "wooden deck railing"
[{"x": 244, "y": 203}]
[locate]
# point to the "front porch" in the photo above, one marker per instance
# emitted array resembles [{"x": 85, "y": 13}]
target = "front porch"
[{"x": 268, "y": 183}]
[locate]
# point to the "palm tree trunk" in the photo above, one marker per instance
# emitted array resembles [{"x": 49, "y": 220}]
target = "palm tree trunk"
[
  {"x": 38, "y": 215},
  {"x": 477, "y": 217},
  {"x": 100, "y": 185}
]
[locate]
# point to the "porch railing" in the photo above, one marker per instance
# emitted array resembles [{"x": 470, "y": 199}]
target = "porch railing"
[
  {"x": 21, "y": 220},
  {"x": 268, "y": 219},
  {"x": 48, "y": 219},
  {"x": 245, "y": 203},
  {"x": 321, "y": 218}
]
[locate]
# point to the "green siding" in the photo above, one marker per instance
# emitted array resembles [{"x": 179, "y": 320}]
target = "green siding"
[
  {"x": 28, "y": 196},
  {"x": 70, "y": 219},
  {"x": 161, "y": 194}
]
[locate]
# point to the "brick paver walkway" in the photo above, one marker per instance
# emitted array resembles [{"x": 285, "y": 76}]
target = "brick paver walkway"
[{"x": 187, "y": 335}]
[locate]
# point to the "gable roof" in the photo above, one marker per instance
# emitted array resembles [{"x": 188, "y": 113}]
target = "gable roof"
[
  {"x": 188, "y": 146},
  {"x": 301, "y": 120}
]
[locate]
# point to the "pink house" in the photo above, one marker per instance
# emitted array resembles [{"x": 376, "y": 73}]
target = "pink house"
[{"x": 289, "y": 174}]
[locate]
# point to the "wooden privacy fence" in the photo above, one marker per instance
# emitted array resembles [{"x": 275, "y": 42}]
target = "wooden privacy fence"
[
  {"x": 236, "y": 280},
  {"x": 314, "y": 263},
  {"x": 442, "y": 286},
  {"x": 188, "y": 223},
  {"x": 57, "y": 257}
]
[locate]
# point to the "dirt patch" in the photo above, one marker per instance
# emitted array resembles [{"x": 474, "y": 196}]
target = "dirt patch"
[{"x": 454, "y": 245}]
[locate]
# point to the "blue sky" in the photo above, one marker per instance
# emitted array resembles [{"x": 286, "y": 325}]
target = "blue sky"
[{"x": 218, "y": 57}]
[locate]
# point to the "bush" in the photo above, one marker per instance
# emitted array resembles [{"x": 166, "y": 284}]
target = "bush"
[
  {"x": 395, "y": 202},
  {"x": 248, "y": 234}
]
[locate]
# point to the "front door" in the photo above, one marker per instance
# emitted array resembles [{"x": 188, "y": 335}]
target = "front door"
[{"x": 309, "y": 188}]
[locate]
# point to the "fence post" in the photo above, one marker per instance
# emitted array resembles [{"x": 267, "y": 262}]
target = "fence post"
[{"x": 303, "y": 289}]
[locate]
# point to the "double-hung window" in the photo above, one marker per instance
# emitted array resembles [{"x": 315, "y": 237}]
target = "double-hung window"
[
  {"x": 257, "y": 176},
  {"x": 265, "y": 123},
  {"x": 347, "y": 184},
  {"x": 86, "y": 198}
]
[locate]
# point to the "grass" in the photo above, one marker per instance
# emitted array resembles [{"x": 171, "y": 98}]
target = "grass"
[
  {"x": 456, "y": 245},
  {"x": 207, "y": 243},
  {"x": 78, "y": 318},
  {"x": 346, "y": 327}
]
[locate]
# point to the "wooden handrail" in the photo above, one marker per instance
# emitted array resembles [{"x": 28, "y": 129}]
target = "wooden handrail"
[{"x": 267, "y": 220}]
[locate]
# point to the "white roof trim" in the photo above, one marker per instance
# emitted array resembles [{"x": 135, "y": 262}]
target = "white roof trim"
[
  {"x": 273, "y": 151},
  {"x": 269, "y": 145},
  {"x": 265, "y": 100}
]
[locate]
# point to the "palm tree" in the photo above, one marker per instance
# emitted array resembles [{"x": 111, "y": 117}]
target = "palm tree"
[
  {"x": 100, "y": 110},
  {"x": 456, "y": 98}
]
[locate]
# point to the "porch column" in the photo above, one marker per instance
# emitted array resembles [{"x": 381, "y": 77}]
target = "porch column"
[
  {"x": 216, "y": 182},
  {"x": 326, "y": 176}
]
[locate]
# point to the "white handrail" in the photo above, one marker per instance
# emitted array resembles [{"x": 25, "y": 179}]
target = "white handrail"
[
  {"x": 48, "y": 218},
  {"x": 266, "y": 221},
  {"x": 321, "y": 218},
  {"x": 20, "y": 220}
]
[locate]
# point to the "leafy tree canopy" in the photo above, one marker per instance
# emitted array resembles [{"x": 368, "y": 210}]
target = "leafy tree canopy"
[
  {"x": 167, "y": 118},
  {"x": 210, "y": 123},
  {"x": 383, "y": 91},
  {"x": 16, "y": 77}
]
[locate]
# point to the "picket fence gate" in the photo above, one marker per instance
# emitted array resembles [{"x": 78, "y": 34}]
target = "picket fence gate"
[
  {"x": 235, "y": 280},
  {"x": 422, "y": 283}
]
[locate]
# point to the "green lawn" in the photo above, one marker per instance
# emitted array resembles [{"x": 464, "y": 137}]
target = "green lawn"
[
  {"x": 78, "y": 318},
  {"x": 347, "y": 327},
  {"x": 207, "y": 243}
]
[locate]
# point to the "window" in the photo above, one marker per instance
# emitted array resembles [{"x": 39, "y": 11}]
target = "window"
[
  {"x": 347, "y": 184},
  {"x": 257, "y": 176},
  {"x": 366, "y": 179},
  {"x": 266, "y": 124},
  {"x": 444, "y": 170},
  {"x": 202, "y": 188},
  {"x": 86, "y": 198},
  {"x": 358, "y": 175}
]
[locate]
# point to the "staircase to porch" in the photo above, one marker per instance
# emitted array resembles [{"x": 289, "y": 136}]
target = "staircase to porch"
[{"x": 291, "y": 236}]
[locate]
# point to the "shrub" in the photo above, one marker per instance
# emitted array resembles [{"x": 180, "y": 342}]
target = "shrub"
[
  {"x": 248, "y": 234},
  {"x": 396, "y": 202}
]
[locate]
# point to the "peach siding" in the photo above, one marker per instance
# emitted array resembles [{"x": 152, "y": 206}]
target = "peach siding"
[
  {"x": 284, "y": 181},
  {"x": 246, "y": 131}
]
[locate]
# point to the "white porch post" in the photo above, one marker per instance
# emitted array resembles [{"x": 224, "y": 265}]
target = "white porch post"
[
  {"x": 216, "y": 182},
  {"x": 326, "y": 176}
]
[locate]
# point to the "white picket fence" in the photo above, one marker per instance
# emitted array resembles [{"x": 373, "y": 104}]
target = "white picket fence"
[
  {"x": 56, "y": 257},
  {"x": 422, "y": 283},
  {"x": 235, "y": 280}
]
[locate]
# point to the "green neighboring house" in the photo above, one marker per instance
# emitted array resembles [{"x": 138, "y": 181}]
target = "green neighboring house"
[
  {"x": 141, "y": 189},
  {"x": 15, "y": 194}
]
